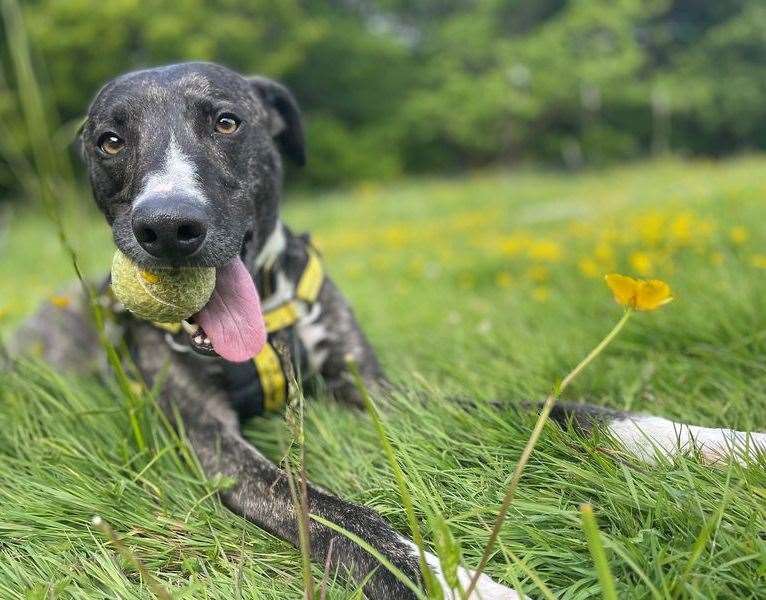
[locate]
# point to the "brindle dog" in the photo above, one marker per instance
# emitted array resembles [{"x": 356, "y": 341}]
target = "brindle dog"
[{"x": 185, "y": 164}]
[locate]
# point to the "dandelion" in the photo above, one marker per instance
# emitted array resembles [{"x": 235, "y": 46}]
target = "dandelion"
[{"x": 639, "y": 294}]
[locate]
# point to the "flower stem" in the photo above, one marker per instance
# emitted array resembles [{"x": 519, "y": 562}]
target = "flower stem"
[{"x": 550, "y": 401}]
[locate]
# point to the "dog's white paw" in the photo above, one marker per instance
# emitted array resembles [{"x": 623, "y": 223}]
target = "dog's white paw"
[{"x": 486, "y": 588}]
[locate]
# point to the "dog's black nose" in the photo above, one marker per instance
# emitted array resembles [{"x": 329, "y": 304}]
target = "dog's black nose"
[{"x": 170, "y": 227}]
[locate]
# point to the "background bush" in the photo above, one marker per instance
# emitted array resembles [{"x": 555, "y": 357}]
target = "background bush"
[{"x": 406, "y": 86}]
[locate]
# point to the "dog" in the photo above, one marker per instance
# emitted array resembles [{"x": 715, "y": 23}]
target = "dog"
[{"x": 185, "y": 163}]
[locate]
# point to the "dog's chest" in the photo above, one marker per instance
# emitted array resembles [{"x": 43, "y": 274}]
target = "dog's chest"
[{"x": 298, "y": 336}]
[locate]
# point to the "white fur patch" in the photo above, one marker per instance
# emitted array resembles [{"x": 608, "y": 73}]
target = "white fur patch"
[
  {"x": 284, "y": 292},
  {"x": 312, "y": 333},
  {"x": 645, "y": 437},
  {"x": 178, "y": 174},
  {"x": 274, "y": 246},
  {"x": 485, "y": 589}
]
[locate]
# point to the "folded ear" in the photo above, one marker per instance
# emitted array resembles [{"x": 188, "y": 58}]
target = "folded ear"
[{"x": 284, "y": 117}]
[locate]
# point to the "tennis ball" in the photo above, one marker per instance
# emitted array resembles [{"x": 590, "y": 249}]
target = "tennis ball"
[{"x": 161, "y": 295}]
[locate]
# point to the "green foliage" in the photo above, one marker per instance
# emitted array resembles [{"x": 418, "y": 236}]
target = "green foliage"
[{"x": 392, "y": 87}]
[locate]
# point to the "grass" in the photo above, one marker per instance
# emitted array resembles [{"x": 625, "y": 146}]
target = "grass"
[{"x": 487, "y": 286}]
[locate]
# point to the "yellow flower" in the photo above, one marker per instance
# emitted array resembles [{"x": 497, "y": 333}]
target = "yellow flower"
[
  {"x": 513, "y": 245},
  {"x": 639, "y": 294},
  {"x": 604, "y": 252},
  {"x": 739, "y": 234},
  {"x": 545, "y": 250},
  {"x": 758, "y": 261},
  {"x": 641, "y": 262},
  {"x": 540, "y": 294},
  {"x": 588, "y": 267}
]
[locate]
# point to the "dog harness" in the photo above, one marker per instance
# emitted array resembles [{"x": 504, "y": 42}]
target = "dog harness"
[{"x": 260, "y": 384}]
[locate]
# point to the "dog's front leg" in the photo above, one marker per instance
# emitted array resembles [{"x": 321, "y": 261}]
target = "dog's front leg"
[{"x": 261, "y": 490}]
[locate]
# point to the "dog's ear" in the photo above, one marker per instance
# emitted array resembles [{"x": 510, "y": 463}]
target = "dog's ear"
[
  {"x": 77, "y": 143},
  {"x": 284, "y": 117}
]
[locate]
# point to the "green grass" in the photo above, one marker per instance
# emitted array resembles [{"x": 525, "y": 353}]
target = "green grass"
[{"x": 487, "y": 286}]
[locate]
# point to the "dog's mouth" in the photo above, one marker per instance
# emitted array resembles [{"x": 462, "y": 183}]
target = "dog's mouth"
[
  {"x": 198, "y": 339},
  {"x": 231, "y": 324}
]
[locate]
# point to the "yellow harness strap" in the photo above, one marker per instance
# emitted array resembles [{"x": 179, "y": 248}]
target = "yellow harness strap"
[
  {"x": 272, "y": 377},
  {"x": 307, "y": 290},
  {"x": 267, "y": 363}
]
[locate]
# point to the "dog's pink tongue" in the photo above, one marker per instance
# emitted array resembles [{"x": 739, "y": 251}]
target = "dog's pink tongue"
[{"x": 232, "y": 318}]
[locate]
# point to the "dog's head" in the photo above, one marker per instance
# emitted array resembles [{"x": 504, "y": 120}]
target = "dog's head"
[{"x": 184, "y": 161}]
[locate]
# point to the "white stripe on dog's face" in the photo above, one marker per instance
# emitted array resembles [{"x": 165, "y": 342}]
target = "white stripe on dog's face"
[
  {"x": 645, "y": 437},
  {"x": 178, "y": 175}
]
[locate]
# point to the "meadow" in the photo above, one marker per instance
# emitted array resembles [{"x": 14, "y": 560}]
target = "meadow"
[{"x": 487, "y": 286}]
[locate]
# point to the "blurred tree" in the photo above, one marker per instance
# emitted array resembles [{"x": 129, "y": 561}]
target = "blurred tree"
[{"x": 399, "y": 86}]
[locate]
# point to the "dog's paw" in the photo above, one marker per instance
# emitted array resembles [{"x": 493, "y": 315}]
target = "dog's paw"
[{"x": 486, "y": 588}]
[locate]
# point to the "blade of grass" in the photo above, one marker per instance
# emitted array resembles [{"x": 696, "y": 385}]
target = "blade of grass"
[
  {"x": 404, "y": 493},
  {"x": 592, "y": 535},
  {"x": 155, "y": 586},
  {"x": 365, "y": 545}
]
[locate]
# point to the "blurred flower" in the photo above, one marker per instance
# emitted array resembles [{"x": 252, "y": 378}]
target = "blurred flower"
[
  {"x": 681, "y": 228},
  {"x": 540, "y": 294},
  {"x": 513, "y": 245},
  {"x": 650, "y": 227},
  {"x": 758, "y": 261},
  {"x": 604, "y": 252},
  {"x": 739, "y": 235},
  {"x": 545, "y": 250},
  {"x": 503, "y": 279},
  {"x": 641, "y": 262},
  {"x": 639, "y": 294},
  {"x": 589, "y": 267}
]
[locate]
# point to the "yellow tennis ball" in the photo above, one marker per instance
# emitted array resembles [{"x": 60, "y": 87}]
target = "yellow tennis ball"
[{"x": 161, "y": 295}]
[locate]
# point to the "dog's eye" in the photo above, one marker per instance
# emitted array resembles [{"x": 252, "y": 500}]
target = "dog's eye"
[
  {"x": 227, "y": 123},
  {"x": 111, "y": 143}
]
